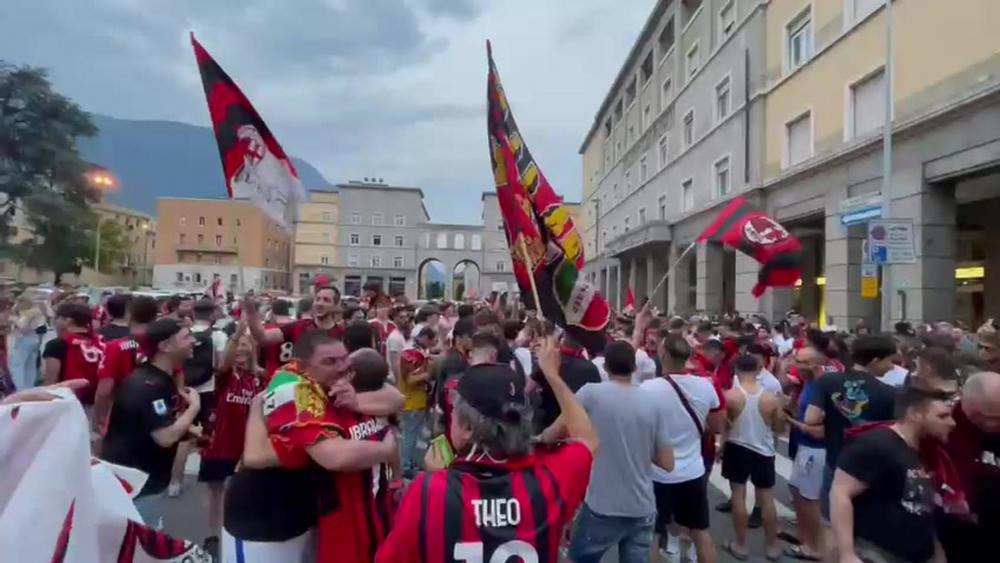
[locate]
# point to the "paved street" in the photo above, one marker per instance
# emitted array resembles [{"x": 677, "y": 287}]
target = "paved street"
[{"x": 186, "y": 516}]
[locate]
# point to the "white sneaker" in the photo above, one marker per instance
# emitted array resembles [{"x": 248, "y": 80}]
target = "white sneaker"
[
  {"x": 174, "y": 490},
  {"x": 687, "y": 552},
  {"x": 673, "y": 545}
]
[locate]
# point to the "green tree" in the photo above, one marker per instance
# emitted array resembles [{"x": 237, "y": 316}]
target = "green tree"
[
  {"x": 114, "y": 247},
  {"x": 41, "y": 172}
]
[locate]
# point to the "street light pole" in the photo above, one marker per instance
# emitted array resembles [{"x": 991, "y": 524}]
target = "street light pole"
[
  {"x": 887, "y": 161},
  {"x": 97, "y": 247}
]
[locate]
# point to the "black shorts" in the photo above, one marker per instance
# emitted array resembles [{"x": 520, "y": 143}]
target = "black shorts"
[
  {"x": 684, "y": 504},
  {"x": 740, "y": 463},
  {"x": 215, "y": 470}
]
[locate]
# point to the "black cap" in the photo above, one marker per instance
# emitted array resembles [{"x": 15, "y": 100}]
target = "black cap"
[{"x": 492, "y": 389}]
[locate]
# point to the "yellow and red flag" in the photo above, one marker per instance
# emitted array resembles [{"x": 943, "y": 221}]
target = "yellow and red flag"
[{"x": 537, "y": 224}]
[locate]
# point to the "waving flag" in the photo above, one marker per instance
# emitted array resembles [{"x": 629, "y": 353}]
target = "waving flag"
[
  {"x": 539, "y": 228},
  {"x": 255, "y": 165},
  {"x": 754, "y": 233},
  {"x": 629, "y": 301}
]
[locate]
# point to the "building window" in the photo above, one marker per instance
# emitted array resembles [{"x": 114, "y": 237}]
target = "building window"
[
  {"x": 646, "y": 69},
  {"x": 427, "y": 240},
  {"x": 614, "y": 193},
  {"x": 647, "y": 116},
  {"x": 666, "y": 93},
  {"x": 377, "y": 219},
  {"x": 798, "y": 140},
  {"x": 604, "y": 240},
  {"x": 618, "y": 112},
  {"x": 857, "y": 10},
  {"x": 353, "y": 260},
  {"x": 688, "y": 129},
  {"x": 477, "y": 242},
  {"x": 643, "y": 170},
  {"x": 442, "y": 240},
  {"x": 218, "y": 240},
  {"x": 723, "y": 100},
  {"x": 201, "y": 223},
  {"x": 397, "y": 262},
  {"x": 460, "y": 241},
  {"x": 722, "y": 179},
  {"x": 238, "y": 222},
  {"x": 687, "y": 194},
  {"x": 630, "y": 92},
  {"x": 376, "y": 240},
  {"x": 627, "y": 221},
  {"x": 180, "y": 276},
  {"x": 352, "y": 285},
  {"x": 642, "y": 216},
  {"x": 661, "y": 149},
  {"x": 201, "y": 239},
  {"x": 183, "y": 238},
  {"x": 727, "y": 19},
  {"x": 631, "y": 135},
  {"x": 325, "y": 260},
  {"x": 666, "y": 40},
  {"x": 397, "y": 286},
  {"x": 399, "y": 220},
  {"x": 628, "y": 181},
  {"x": 355, "y": 218},
  {"x": 218, "y": 221},
  {"x": 398, "y": 240},
  {"x": 183, "y": 221},
  {"x": 618, "y": 149},
  {"x": 233, "y": 278},
  {"x": 355, "y": 239},
  {"x": 867, "y": 105},
  {"x": 799, "y": 43},
  {"x": 661, "y": 207},
  {"x": 376, "y": 261},
  {"x": 501, "y": 265},
  {"x": 197, "y": 277},
  {"x": 693, "y": 59}
]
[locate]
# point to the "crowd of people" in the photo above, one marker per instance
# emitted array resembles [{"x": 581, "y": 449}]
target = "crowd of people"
[{"x": 371, "y": 429}]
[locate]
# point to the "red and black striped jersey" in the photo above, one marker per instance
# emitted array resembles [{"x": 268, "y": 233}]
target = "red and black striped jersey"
[
  {"x": 121, "y": 357},
  {"x": 477, "y": 511},
  {"x": 354, "y": 531},
  {"x": 273, "y": 356},
  {"x": 234, "y": 390},
  {"x": 294, "y": 330}
]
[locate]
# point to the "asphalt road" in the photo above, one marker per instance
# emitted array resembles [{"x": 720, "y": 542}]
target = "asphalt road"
[{"x": 186, "y": 516}]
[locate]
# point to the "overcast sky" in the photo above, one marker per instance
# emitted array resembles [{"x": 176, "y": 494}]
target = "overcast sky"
[{"x": 379, "y": 88}]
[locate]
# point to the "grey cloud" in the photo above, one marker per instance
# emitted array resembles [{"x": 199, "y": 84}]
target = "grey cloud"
[{"x": 458, "y": 9}]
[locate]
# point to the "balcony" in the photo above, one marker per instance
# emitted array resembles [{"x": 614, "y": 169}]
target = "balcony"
[
  {"x": 207, "y": 248},
  {"x": 650, "y": 233}
]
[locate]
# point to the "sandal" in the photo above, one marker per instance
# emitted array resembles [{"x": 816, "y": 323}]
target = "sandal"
[
  {"x": 796, "y": 552},
  {"x": 789, "y": 537},
  {"x": 728, "y": 547}
]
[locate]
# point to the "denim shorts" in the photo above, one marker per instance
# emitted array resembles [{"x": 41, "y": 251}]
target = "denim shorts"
[{"x": 595, "y": 534}]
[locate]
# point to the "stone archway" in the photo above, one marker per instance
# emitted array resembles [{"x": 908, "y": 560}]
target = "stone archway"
[
  {"x": 466, "y": 278},
  {"x": 432, "y": 279}
]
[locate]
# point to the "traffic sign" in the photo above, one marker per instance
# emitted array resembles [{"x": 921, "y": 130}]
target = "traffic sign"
[{"x": 891, "y": 241}]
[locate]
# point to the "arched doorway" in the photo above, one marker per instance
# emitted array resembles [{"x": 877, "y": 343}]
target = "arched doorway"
[
  {"x": 431, "y": 279},
  {"x": 465, "y": 280}
]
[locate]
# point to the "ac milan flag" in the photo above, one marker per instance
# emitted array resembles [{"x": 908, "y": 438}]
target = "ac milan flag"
[
  {"x": 539, "y": 228},
  {"x": 255, "y": 165},
  {"x": 754, "y": 233}
]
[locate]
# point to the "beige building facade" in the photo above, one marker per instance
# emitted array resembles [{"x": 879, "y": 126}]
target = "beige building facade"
[
  {"x": 813, "y": 112},
  {"x": 199, "y": 239},
  {"x": 316, "y": 238},
  {"x": 139, "y": 232}
]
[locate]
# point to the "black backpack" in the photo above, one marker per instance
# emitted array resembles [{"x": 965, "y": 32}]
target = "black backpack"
[{"x": 200, "y": 367}]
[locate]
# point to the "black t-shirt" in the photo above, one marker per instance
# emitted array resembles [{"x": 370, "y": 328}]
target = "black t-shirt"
[
  {"x": 145, "y": 401},
  {"x": 576, "y": 372},
  {"x": 896, "y": 511},
  {"x": 850, "y": 399},
  {"x": 113, "y": 332},
  {"x": 57, "y": 349},
  {"x": 276, "y": 504}
]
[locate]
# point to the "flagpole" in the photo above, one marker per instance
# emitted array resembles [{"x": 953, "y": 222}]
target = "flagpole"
[
  {"x": 670, "y": 270},
  {"x": 531, "y": 276}
]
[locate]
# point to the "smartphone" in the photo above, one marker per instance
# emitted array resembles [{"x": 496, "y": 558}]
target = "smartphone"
[{"x": 443, "y": 447}]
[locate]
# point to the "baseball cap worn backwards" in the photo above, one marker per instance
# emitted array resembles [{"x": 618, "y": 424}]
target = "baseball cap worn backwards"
[{"x": 492, "y": 389}]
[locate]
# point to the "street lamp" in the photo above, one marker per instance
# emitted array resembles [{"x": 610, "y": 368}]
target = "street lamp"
[{"x": 101, "y": 179}]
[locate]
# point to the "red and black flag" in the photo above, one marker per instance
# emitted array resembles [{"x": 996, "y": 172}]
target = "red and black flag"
[
  {"x": 255, "y": 165},
  {"x": 538, "y": 227},
  {"x": 754, "y": 233}
]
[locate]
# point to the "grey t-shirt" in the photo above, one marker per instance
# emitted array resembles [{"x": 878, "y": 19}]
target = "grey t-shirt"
[{"x": 631, "y": 428}]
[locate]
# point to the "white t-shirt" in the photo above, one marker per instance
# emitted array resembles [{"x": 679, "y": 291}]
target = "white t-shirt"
[
  {"x": 523, "y": 355},
  {"x": 688, "y": 463},
  {"x": 895, "y": 377},
  {"x": 645, "y": 367},
  {"x": 394, "y": 343}
]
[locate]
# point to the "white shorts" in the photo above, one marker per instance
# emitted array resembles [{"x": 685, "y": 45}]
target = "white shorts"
[
  {"x": 807, "y": 472},
  {"x": 301, "y": 549}
]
